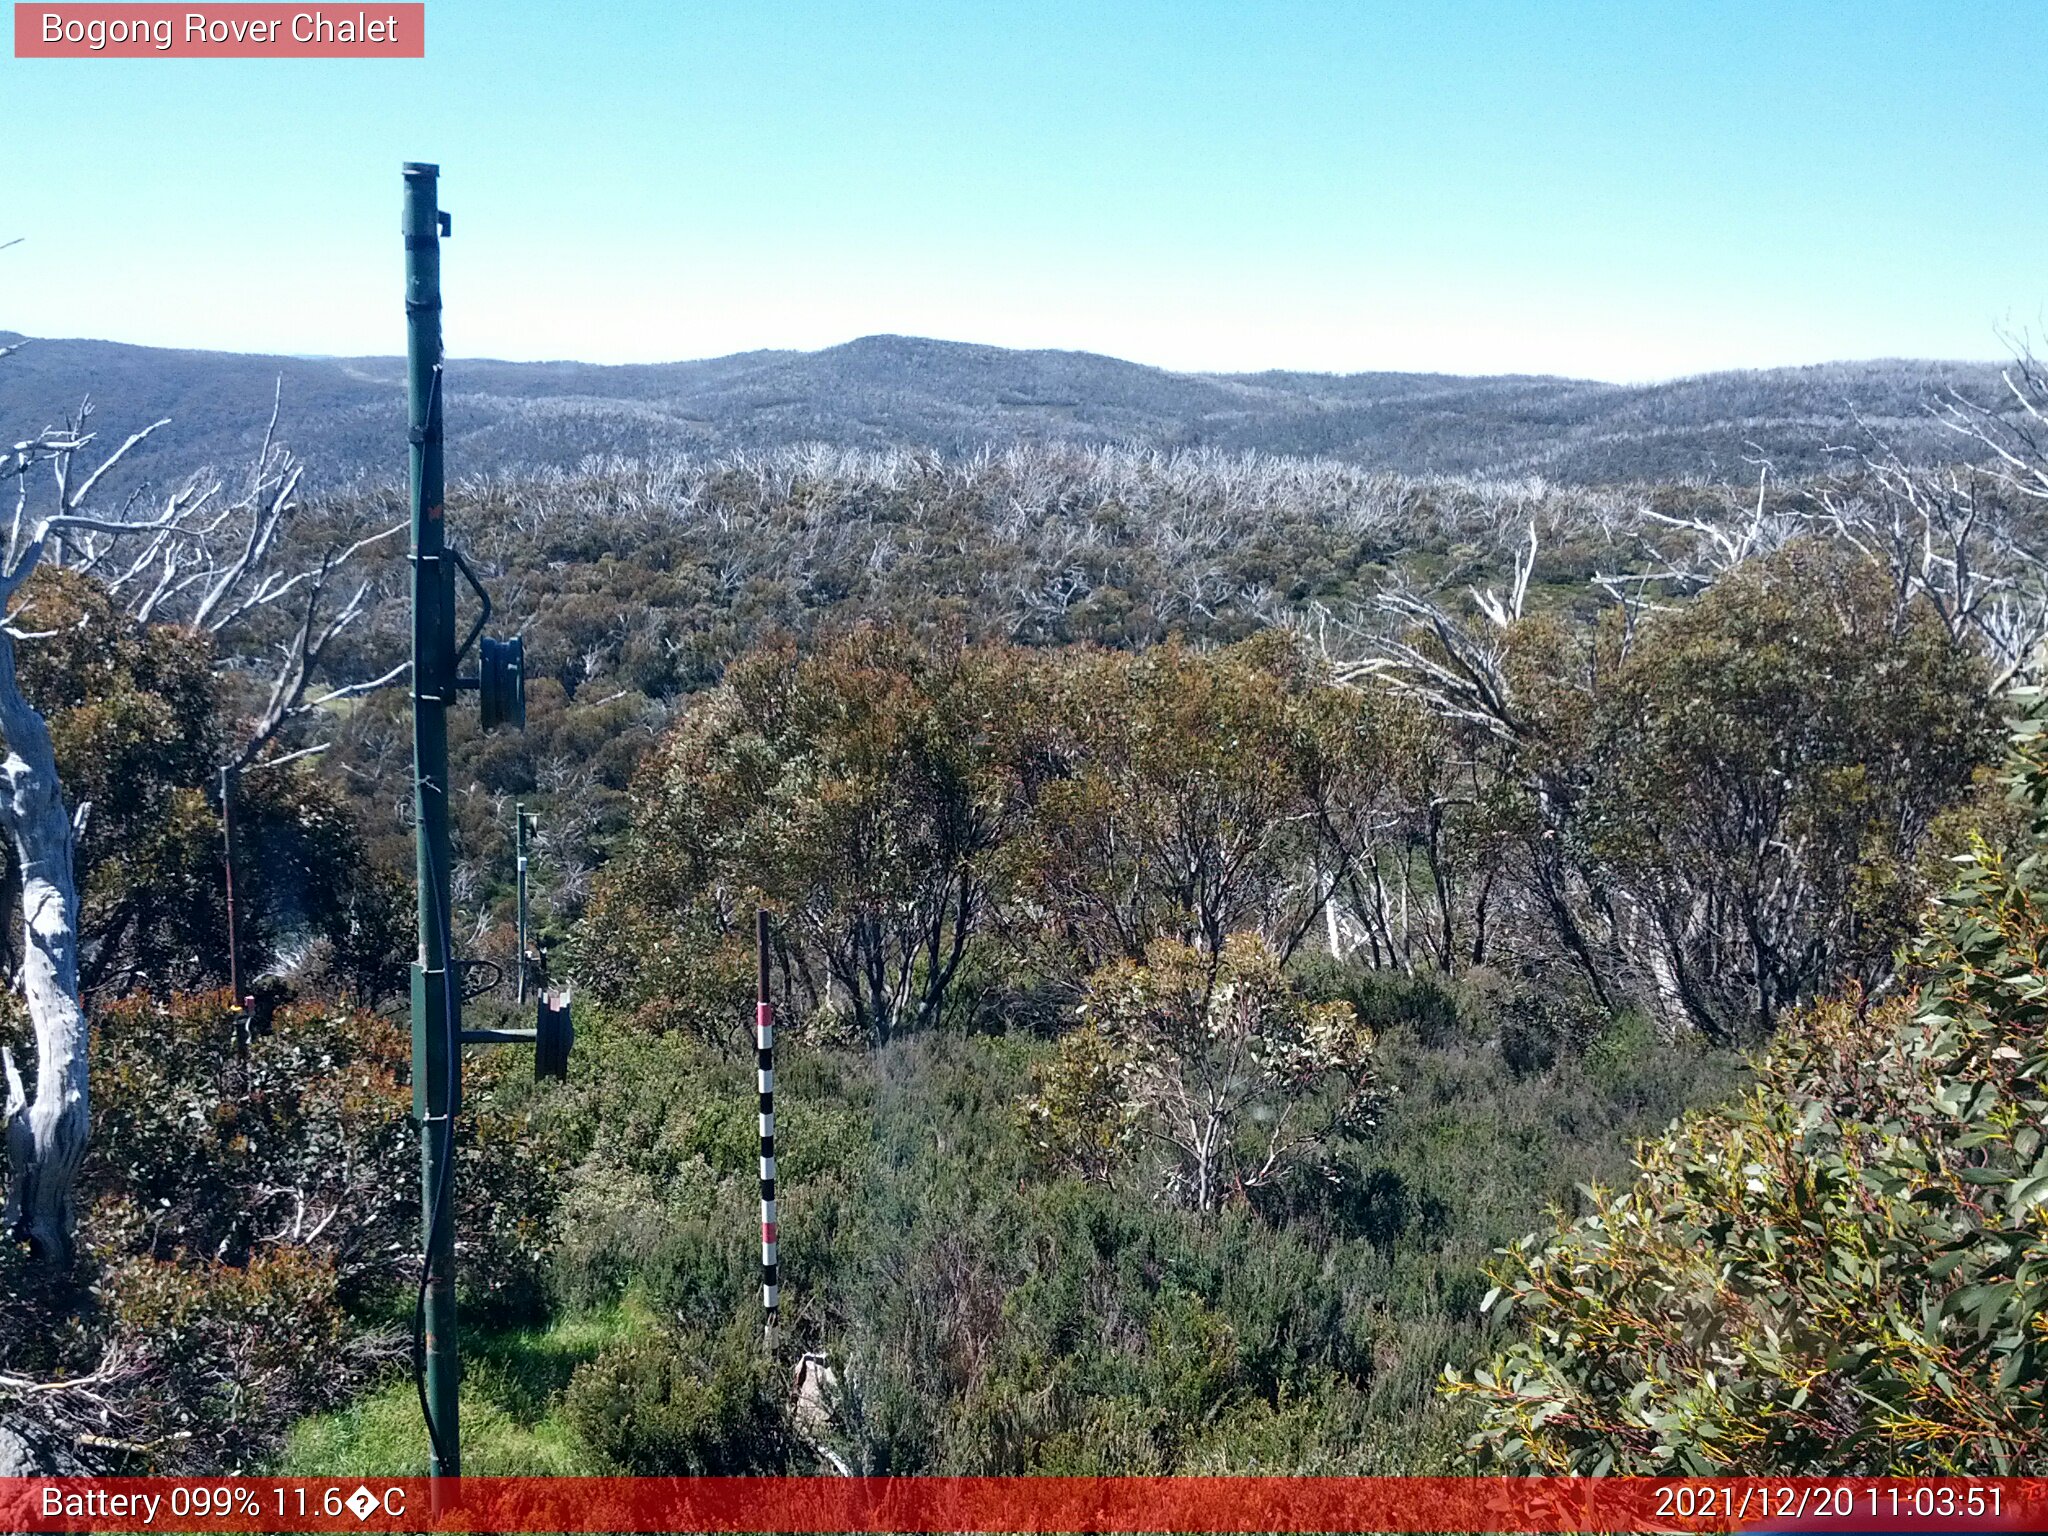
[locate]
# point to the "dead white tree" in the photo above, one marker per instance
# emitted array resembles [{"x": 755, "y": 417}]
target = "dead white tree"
[
  {"x": 1946, "y": 539},
  {"x": 223, "y": 564},
  {"x": 46, "y": 1135},
  {"x": 1965, "y": 540},
  {"x": 200, "y": 559},
  {"x": 1457, "y": 670},
  {"x": 1711, "y": 548},
  {"x": 1504, "y": 612},
  {"x": 2013, "y": 435},
  {"x": 1419, "y": 649}
]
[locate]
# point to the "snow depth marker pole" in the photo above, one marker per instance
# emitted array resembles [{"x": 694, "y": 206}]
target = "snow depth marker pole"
[{"x": 764, "y": 1071}]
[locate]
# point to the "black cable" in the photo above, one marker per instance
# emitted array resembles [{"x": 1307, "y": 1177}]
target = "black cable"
[{"x": 443, "y": 1178}]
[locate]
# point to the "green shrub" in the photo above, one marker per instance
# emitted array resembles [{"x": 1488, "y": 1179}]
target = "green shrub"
[
  {"x": 211, "y": 1148},
  {"x": 1425, "y": 1005},
  {"x": 1543, "y": 1022},
  {"x": 606, "y": 1225},
  {"x": 512, "y": 1154},
  {"x": 682, "y": 1405},
  {"x": 661, "y": 1188},
  {"x": 236, "y": 1355}
]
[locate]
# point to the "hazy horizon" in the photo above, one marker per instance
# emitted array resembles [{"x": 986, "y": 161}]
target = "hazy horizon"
[{"x": 1992, "y": 360}]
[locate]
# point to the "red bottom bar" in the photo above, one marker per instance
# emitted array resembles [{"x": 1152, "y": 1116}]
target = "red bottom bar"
[{"x": 1109, "y": 1504}]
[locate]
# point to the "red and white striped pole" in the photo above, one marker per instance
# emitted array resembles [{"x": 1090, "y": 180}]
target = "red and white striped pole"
[{"x": 764, "y": 1070}]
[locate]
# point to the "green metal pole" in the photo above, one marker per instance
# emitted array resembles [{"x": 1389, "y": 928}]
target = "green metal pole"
[{"x": 436, "y": 1000}]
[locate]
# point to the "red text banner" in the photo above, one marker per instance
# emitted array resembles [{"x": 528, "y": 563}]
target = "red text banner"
[
  {"x": 1107, "y": 1504},
  {"x": 234, "y": 31}
]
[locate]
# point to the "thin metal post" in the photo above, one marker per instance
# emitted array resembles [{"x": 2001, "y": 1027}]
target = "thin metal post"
[
  {"x": 227, "y": 835},
  {"x": 519, "y": 843},
  {"x": 764, "y": 1069},
  {"x": 436, "y": 1000}
]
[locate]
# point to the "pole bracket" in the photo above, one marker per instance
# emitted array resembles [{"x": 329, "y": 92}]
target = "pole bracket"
[{"x": 483, "y": 597}]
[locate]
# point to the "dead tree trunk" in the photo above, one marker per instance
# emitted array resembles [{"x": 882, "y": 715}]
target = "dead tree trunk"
[{"x": 46, "y": 1135}]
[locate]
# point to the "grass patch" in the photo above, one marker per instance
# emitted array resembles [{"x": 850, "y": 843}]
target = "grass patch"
[{"x": 511, "y": 1382}]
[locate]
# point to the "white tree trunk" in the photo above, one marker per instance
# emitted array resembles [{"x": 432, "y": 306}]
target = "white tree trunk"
[{"x": 45, "y": 1136}]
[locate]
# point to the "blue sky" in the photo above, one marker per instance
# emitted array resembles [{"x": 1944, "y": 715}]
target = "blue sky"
[{"x": 1620, "y": 191}]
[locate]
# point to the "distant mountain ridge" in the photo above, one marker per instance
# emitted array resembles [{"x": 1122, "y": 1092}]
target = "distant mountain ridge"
[{"x": 346, "y": 415}]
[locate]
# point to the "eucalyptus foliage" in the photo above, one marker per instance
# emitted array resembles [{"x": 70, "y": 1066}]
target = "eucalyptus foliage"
[{"x": 1844, "y": 1272}]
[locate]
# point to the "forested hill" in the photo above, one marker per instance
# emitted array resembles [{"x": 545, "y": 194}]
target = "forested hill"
[{"x": 345, "y": 415}]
